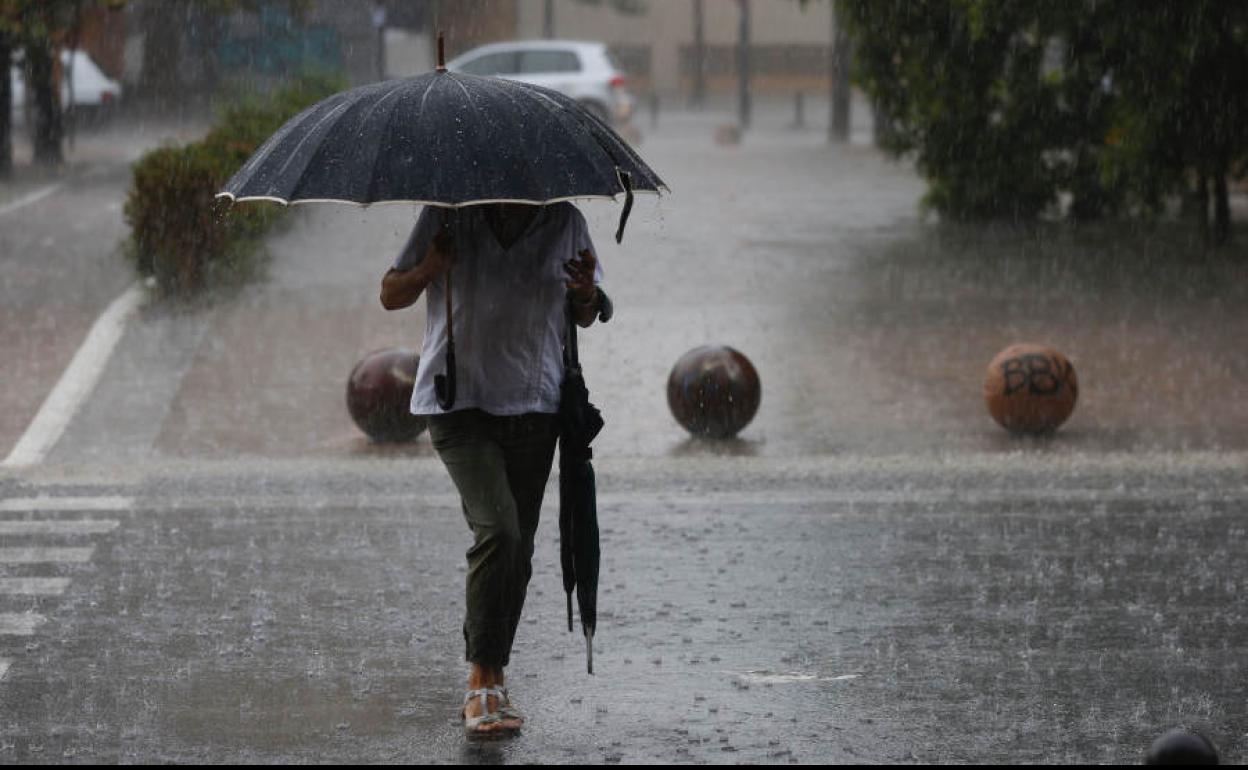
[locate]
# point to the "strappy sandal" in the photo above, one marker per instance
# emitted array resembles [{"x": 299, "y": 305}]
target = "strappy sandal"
[
  {"x": 482, "y": 726},
  {"x": 507, "y": 708}
]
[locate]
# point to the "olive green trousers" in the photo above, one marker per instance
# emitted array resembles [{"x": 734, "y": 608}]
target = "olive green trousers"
[{"x": 500, "y": 466}]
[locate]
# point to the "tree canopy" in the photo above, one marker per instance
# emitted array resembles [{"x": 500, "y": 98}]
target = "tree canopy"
[{"x": 1010, "y": 106}]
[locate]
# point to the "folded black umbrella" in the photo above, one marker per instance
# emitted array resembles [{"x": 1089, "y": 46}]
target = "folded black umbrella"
[{"x": 579, "y": 423}]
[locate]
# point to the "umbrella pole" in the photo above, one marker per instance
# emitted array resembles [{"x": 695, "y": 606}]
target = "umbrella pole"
[
  {"x": 444, "y": 384},
  {"x": 589, "y": 649}
]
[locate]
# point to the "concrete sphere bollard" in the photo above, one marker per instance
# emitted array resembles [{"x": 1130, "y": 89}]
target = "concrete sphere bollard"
[
  {"x": 713, "y": 391},
  {"x": 1180, "y": 747},
  {"x": 1030, "y": 388},
  {"x": 379, "y": 395}
]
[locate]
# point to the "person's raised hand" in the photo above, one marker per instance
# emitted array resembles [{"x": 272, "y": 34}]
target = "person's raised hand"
[
  {"x": 581, "y": 276},
  {"x": 441, "y": 254}
]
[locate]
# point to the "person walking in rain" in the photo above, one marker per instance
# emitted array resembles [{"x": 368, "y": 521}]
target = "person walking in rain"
[{"x": 514, "y": 268}]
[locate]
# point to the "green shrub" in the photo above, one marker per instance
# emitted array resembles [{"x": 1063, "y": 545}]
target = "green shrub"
[{"x": 180, "y": 232}]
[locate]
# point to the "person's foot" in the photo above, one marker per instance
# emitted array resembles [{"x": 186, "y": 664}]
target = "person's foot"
[
  {"x": 484, "y": 713},
  {"x": 508, "y": 709}
]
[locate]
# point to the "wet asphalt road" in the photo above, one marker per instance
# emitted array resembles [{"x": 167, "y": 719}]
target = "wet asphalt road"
[
  {"x": 993, "y": 609},
  {"x": 873, "y": 572}
]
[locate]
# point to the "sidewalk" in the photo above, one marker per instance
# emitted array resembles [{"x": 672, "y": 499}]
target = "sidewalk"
[{"x": 61, "y": 232}]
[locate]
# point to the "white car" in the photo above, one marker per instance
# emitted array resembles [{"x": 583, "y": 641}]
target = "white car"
[
  {"x": 93, "y": 91},
  {"x": 583, "y": 71}
]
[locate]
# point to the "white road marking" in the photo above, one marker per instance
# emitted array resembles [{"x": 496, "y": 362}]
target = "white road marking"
[
  {"x": 4, "y": 666},
  {"x": 33, "y": 586},
  {"x": 58, "y": 527},
  {"x": 30, "y": 198},
  {"x": 41, "y": 555},
  {"x": 76, "y": 383},
  {"x": 49, "y": 503},
  {"x": 20, "y": 623}
]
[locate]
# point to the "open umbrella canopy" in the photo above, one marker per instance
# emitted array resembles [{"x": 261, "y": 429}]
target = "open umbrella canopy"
[{"x": 443, "y": 138}]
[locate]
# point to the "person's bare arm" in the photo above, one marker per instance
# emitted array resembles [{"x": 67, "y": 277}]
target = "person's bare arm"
[
  {"x": 586, "y": 299},
  {"x": 400, "y": 289}
]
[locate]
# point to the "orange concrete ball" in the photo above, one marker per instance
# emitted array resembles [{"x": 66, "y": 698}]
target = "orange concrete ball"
[{"x": 1030, "y": 388}]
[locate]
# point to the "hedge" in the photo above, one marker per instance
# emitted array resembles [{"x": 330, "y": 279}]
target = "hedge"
[{"x": 180, "y": 233}]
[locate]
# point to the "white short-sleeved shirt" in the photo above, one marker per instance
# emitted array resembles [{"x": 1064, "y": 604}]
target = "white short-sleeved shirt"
[{"x": 508, "y": 306}]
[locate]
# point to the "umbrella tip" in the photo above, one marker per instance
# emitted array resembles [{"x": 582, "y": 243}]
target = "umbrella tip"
[{"x": 441, "y": 52}]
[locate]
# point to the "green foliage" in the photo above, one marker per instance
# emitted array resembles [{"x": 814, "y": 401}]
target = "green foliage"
[
  {"x": 180, "y": 233},
  {"x": 1010, "y": 105}
]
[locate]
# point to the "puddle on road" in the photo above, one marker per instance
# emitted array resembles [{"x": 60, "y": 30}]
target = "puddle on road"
[{"x": 771, "y": 677}]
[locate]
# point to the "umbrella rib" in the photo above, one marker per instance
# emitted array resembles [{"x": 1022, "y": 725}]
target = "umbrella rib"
[
  {"x": 467, "y": 93},
  {"x": 262, "y": 154},
  {"x": 336, "y": 111},
  {"x": 561, "y": 113},
  {"x": 372, "y": 176}
]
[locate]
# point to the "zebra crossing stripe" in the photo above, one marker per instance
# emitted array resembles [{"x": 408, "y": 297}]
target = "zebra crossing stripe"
[
  {"x": 27, "y": 586},
  {"x": 38, "y": 555},
  {"x": 58, "y": 527},
  {"x": 20, "y": 623},
  {"x": 4, "y": 666},
  {"x": 47, "y": 503}
]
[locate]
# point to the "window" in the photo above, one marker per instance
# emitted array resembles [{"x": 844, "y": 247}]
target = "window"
[
  {"x": 538, "y": 62},
  {"x": 492, "y": 64}
]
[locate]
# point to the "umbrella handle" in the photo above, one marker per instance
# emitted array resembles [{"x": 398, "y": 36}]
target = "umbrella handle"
[
  {"x": 569, "y": 612},
  {"x": 444, "y": 384},
  {"x": 589, "y": 650}
]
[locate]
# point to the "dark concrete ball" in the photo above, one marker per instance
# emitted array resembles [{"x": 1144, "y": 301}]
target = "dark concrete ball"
[
  {"x": 1180, "y": 747},
  {"x": 713, "y": 391},
  {"x": 379, "y": 395}
]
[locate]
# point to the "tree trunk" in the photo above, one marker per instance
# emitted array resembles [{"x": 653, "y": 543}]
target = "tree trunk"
[
  {"x": 842, "y": 56},
  {"x": 744, "y": 108},
  {"x": 698, "y": 96},
  {"x": 1221, "y": 210},
  {"x": 49, "y": 130},
  {"x": 6, "y": 109}
]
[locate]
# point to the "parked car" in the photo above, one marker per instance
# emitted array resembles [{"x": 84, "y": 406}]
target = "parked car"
[
  {"x": 93, "y": 91},
  {"x": 581, "y": 70}
]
